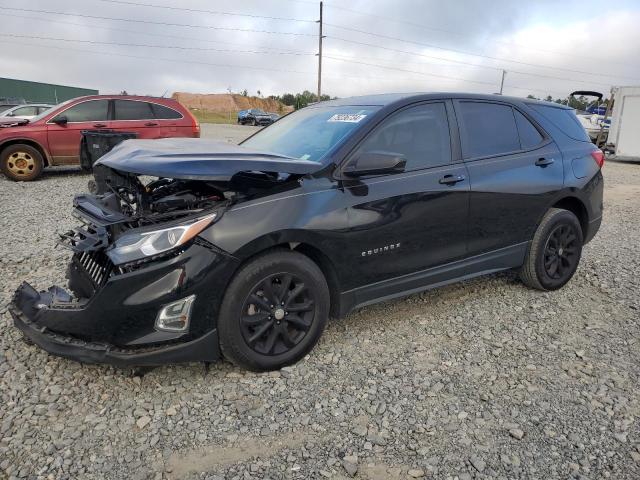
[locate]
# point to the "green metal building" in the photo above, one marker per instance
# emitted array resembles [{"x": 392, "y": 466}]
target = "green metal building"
[{"x": 36, "y": 92}]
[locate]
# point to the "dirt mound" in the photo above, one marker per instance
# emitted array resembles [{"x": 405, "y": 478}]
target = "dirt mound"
[{"x": 225, "y": 102}]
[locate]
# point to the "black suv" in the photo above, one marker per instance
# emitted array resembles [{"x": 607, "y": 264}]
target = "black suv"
[{"x": 246, "y": 251}]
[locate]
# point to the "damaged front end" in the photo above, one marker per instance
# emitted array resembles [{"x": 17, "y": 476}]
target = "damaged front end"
[{"x": 144, "y": 286}]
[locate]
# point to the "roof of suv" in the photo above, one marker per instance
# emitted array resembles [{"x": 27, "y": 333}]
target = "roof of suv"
[
  {"x": 389, "y": 98},
  {"x": 124, "y": 97}
]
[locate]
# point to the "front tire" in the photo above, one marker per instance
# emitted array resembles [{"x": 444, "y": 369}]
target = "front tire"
[
  {"x": 21, "y": 162},
  {"x": 555, "y": 251},
  {"x": 273, "y": 311}
]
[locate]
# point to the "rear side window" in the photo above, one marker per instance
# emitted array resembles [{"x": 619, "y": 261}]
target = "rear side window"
[
  {"x": 565, "y": 120},
  {"x": 487, "y": 129},
  {"x": 164, "y": 113},
  {"x": 530, "y": 137},
  {"x": 420, "y": 133},
  {"x": 132, "y": 110},
  {"x": 90, "y": 111}
]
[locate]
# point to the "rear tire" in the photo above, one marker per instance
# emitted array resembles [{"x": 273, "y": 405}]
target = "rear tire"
[
  {"x": 21, "y": 162},
  {"x": 273, "y": 311},
  {"x": 554, "y": 253}
]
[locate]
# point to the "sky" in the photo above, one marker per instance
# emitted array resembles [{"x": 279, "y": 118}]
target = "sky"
[{"x": 370, "y": 46}]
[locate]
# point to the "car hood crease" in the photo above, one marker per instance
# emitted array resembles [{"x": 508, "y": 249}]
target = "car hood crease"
[{"x": 196, "y": 159}]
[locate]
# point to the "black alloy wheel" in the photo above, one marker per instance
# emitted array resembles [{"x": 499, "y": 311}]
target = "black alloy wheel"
[
  {"x": 561, "y": 252},
  {"x": 554, "y": 253},
  {"x": 277, "y": 314},
  {"x": 274, "y": 311}
]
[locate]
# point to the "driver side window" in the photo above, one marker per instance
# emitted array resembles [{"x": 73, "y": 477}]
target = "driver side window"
[
  {"x": 90, "y": 111},
  {"x": 419, "y": 133}
]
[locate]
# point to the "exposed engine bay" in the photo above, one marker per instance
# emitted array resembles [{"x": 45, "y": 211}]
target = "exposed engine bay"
[
  {"x": 123, "y": 201},
  {"x": 151, "y": 199}
]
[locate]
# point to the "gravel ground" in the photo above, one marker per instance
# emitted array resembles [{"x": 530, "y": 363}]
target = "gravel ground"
[{"x": 484, "y": 379}]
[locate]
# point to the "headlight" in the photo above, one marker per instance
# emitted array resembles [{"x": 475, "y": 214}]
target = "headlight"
[{"x": 136, "y": 245}]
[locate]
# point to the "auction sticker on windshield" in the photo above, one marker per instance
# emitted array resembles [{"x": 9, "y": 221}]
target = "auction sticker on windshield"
[{"x": 346, "y": 117}]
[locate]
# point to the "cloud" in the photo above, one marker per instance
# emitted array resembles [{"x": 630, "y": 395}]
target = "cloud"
[{"x": 578, "y": 36}]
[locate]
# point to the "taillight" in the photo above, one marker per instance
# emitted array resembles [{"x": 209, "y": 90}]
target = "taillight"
[
  {"x": 195, "y": 126},
  {"x": 598, "y": 156}
]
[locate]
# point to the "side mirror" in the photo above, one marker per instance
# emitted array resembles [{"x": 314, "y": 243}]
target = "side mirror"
[
  {"x": 374, "y": 163},
  {"x": 61, "y": 120}
]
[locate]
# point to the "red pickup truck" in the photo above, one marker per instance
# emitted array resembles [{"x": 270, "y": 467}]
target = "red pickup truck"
[{"x": 53, "y": 137}]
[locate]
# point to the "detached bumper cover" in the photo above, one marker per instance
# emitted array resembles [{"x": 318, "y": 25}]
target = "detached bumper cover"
[{"x": 204, "y": 348}]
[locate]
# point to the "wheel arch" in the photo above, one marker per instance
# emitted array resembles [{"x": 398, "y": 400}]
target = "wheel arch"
[
  {"x": 31, "y": 143},
  {"x": 308, "y": 249},
  {"x": 578, "y": 208}
]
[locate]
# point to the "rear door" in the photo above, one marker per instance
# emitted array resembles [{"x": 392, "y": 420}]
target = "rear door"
[
  {"x": 172, "y": 122},
  {"x": 148, "y": 119},
  {"x": 64, "y": 138},
  {"x": 406, "y": 222},
  {"x": 515, "y": 169}
]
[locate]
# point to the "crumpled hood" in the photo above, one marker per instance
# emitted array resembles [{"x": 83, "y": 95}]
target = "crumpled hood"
[{"x": 199, "y": 159}]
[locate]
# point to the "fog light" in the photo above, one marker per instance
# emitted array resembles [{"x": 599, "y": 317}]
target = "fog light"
[{"x": 175, "y": 316}]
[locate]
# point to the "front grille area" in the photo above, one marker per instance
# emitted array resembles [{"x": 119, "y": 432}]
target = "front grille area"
[{"x": 95, "y": 266}]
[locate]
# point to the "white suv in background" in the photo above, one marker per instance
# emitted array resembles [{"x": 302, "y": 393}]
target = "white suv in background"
[{"x": 26, "y": 111}]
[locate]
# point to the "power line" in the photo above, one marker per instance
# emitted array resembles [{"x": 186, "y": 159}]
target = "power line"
[
  {"x": 173, "y": 60},
  {"x": 149, "y": 22},
  {"x": 138, "y": 32},
  {"x": 409, "y": 71},
  {"x": 463, "y": 52},
  {"x": 438, "y": 29},
  {"x": 494, "y": 84},
  {"x": 459, "y": 62},
  {"x": 223, "y": 65},
  {"x": 291, "y": 52},
  {"x": 213, "y": 12},
  {"x": 145, "y": 45},
  {"x": 493, "y": 68}
]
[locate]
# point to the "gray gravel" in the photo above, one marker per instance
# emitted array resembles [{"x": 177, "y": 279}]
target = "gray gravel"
[{"x": 485, "y": 379}]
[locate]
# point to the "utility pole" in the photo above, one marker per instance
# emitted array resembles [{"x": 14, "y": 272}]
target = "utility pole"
[
  {"x": 504, "y": 73},
  {"x": 320, "y": 54}
]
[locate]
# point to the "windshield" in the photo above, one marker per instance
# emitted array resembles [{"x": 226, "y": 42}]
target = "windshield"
[
  {"x": 310, "y": 133},
  {"x": 49, "y": 110}
]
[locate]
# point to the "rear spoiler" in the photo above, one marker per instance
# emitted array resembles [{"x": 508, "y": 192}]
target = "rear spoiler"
[{"x": 586, "y": 93}]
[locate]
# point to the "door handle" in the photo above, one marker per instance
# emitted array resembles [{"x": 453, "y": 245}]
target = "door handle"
[
  {"x": 151, "y": 124},
  {"x": 543, "y": 162},
  {"x": 99, "y": 125},
  {"x": 451, "y": 179}
]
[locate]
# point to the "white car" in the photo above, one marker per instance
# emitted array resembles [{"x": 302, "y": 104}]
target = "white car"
[{"x": 25, "y": 111}]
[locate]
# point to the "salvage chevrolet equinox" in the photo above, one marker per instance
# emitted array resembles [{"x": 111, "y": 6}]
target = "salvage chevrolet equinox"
[{"x": 194, "y": 249}]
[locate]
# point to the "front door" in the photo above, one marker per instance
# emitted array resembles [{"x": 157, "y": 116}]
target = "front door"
[
  {"x": 64, "y": 137},
  {"x": 405, "y": 223}
]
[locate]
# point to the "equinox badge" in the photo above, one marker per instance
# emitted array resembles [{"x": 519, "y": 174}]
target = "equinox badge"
[{"x": 375, "y": 251}]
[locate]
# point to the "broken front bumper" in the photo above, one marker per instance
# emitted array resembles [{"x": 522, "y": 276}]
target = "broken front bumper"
[{"x": 116, "y": 325}]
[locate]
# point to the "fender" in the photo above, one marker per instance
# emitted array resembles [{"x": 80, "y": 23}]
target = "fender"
[{"x": 28, "y": 141}]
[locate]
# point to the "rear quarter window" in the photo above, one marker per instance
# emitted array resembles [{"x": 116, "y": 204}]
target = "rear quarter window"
[
  {"x": 530, "y": 137},
  {"x": 165, "y": 113},
  {"x": 565, "y": 120}
]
